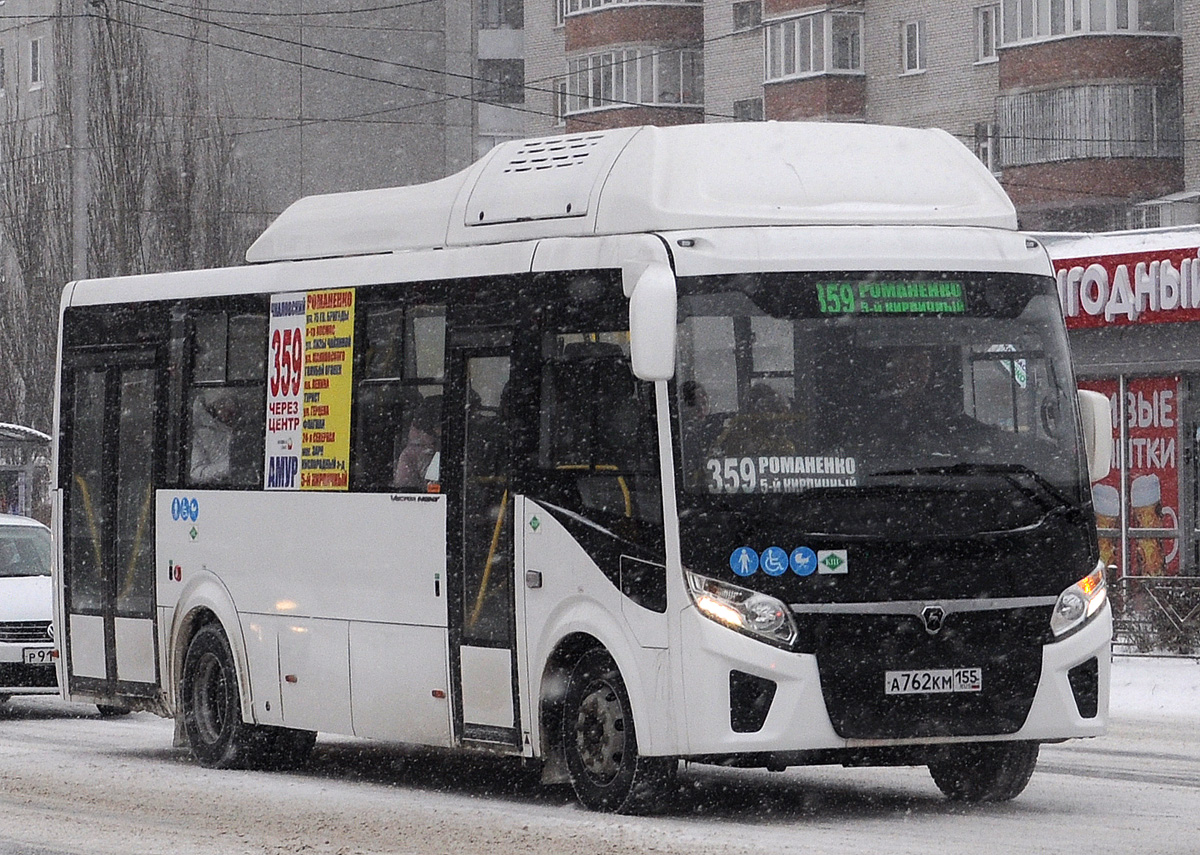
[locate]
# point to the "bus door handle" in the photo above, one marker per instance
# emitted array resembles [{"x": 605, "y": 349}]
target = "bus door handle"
[{"x": 533, "y": 578}]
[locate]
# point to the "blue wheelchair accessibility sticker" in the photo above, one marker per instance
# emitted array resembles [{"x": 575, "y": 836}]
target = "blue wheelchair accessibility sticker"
[{"x": 774, "y": 561}]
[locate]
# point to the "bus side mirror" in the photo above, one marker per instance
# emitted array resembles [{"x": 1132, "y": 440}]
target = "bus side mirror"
[
  {"x": 652, "y": 324},
  {"x": 1097, "y": 433}
]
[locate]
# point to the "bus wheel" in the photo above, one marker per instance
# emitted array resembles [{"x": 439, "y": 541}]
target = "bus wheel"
[
  {"x": 984, "y": 772},
  {"x": 600, "y": 741},
  {"x": 212, "y": 708}
]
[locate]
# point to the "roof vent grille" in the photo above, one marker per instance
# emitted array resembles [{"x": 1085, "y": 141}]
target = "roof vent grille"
[{"x": 553, "y": 153}]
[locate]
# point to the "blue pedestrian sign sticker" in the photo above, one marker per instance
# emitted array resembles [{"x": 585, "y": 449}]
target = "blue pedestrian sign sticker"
[
  {"x": 774, "y": 561},
  {"x": 804, "y": 561},
  {"x": 744, "y": 561}
]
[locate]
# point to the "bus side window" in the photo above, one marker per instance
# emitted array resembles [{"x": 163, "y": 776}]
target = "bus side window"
[
  {"x": 226, "y": 399},
  {"x": 401, "y": 375},
  {"x": 597, "y": 426}
]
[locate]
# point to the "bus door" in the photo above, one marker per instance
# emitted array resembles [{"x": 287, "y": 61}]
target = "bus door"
[
  {"x": 108, "y": 525},
  {"x": 481, "y": 507}
]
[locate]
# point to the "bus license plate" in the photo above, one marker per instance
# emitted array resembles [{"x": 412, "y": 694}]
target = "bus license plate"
[
  {"x": 934, "y": 681},
  {"x": 37, "y": 656}
]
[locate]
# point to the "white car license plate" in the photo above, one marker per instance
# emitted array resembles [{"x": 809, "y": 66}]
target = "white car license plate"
[
  {"x": 935, "y": 681},
  {"x": 37, "y": 656}
]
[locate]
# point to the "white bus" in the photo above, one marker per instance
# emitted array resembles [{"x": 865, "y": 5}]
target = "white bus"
[{"x": 749, "y": 444}]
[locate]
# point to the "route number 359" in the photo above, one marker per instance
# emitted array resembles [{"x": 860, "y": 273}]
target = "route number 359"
[
  {"x": 287, "y": 361},
  {"x": 732, "y": 475}
]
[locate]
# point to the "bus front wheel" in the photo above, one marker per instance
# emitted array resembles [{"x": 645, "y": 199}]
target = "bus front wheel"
[
  {"x": 212, "y": 707},
  {"x": 600, "y": 741},
  {"x": 212, "y": 713},
  {"x": 984, "y": 772}
]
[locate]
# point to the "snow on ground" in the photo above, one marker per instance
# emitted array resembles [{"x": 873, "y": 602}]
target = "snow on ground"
[
  {"x": 1152, "y": 687},
  {"x": 73, "y": 783}
]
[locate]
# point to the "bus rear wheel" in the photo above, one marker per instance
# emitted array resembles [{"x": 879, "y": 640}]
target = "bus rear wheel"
[
  {"x": 984, "y": 772},
  {"x": 600, "y": 742}
]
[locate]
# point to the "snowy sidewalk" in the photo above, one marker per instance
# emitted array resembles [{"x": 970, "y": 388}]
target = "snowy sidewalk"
[{"x": 1146, "y": 688}]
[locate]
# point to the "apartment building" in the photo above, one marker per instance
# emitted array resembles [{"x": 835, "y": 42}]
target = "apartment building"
[
  {"x": 1087, "y": 110},
  {"x": 317, "y": 95}
]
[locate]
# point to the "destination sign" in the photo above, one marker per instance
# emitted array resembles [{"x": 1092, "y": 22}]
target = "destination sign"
[{"x": 897, "y": 298}]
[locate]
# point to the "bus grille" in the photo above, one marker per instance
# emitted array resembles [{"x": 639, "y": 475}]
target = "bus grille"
[
  {"x": 25, "y": 632},
  {"x": 855, "y": 651}
]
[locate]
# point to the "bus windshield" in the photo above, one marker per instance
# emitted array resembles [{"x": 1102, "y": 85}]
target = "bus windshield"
[{"x": 820, "y": 385}]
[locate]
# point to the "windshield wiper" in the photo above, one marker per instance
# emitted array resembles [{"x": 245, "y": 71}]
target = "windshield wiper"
[{"x": 1015, "y": 473}]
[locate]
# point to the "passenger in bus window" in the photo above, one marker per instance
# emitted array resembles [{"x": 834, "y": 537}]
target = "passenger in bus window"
[
  {"x": 214, "y": 415},
  {"x": 423, "y": 444}
]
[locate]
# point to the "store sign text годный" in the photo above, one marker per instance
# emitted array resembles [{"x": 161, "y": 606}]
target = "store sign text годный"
[{"x": 1152, "y": 286}]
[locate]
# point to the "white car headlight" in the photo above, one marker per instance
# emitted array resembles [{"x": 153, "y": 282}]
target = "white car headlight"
[
  {"x": 759, "y": 615},
  {"x": 1078, "y": 603}
]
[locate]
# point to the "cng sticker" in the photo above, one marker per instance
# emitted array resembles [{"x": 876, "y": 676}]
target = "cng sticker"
[
  {"x": 535, "y": 523},
  {"x": 832, "y": 561}
]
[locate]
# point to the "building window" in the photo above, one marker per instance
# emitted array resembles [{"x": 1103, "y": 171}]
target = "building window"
[
  {"x": 501, "y": 14},
  {"x": 502, "y": 81},
  {"x": 635, "y": 76},
  {"x": 813, "y": 44},
  {"x": 1102, "y": 121},
  {"x": 986, "y": 32},
  {"x": 577, "y": 6},
  {"x": 35, "y": 64},
  {"x": 747, "y": 16},
  {"x": 1036, "y": 20},
  {"x": 985, "y": 145},
  {"x": 560, "y": 12},
  {"x": 559, "y": 87},
  {"x": 749, "y": 110},
  {"x": 912, "y": 47}
]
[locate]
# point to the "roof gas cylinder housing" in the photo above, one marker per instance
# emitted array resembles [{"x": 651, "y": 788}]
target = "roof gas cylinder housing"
[{"x": 649, "y": 179}]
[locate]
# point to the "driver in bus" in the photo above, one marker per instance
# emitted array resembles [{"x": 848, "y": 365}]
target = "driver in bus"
[{"x": 917, "y": 396}]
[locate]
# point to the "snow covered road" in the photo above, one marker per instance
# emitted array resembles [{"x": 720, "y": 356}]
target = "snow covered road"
[{"x": 72, "y": 782}]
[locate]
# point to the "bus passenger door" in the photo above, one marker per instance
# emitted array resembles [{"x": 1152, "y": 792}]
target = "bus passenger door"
[
  {"x": 481, "y": 504},
  {"x": 108, "y": 525}
]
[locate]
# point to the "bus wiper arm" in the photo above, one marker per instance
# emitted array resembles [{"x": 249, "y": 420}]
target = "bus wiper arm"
[{"x": 1015, "y": 473}]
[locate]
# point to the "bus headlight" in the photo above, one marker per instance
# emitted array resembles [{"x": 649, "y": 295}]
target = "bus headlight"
[
  {"x": 1078, "y": 603},
  {"x": 758, "y": 615}
]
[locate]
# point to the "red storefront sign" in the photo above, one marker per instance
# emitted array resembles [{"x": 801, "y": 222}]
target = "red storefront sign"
[
  {"x": 1151, "y": 286},
  {"x": 1151, "y": 415}
]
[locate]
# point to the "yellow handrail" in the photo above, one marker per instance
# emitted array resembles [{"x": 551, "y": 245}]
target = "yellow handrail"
[{"x": 487, "y": 567}]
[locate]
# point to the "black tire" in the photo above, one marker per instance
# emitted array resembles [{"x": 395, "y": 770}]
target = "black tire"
[
  {"x": 984, "y": 772},
  {"x": 212, "y": 707},
  {"x": 109, "y": 711},
  {"x": 600, "y": 742}
]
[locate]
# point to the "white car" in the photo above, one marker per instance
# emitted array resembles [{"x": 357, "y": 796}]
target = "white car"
[{"x": 26, "y": 609}]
